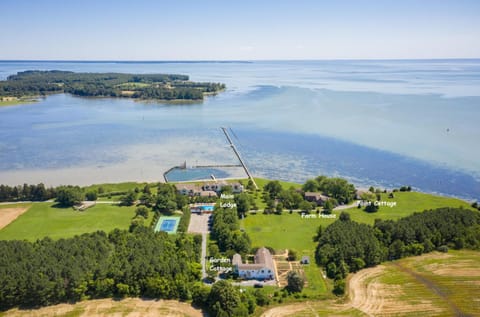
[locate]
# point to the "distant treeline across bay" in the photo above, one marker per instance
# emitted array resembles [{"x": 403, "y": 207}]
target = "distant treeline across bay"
[{"x": 143, "y": 86}]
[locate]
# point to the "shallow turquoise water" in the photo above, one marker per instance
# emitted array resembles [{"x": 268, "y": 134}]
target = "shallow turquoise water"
[{"x": 376, "y": 122}]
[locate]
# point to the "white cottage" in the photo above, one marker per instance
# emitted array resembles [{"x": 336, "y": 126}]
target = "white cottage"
[{"x": 262, "y": 269}]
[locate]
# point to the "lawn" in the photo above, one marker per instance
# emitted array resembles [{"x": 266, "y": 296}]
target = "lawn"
[
  {"x": 286, "y": 185},
  {"x": 42, "y": 219},
  {"x": 114, "y": 192},
  {"x": 294, "y": 232},
  {"x": 407, "y": 203},
  {"x": 289, "y": 231},
  {"x": 119, "y": 187},
  {"x": 286, "y": 231}
]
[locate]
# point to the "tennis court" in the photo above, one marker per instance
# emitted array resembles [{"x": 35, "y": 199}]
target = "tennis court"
[{"x": 167, "y": 224}]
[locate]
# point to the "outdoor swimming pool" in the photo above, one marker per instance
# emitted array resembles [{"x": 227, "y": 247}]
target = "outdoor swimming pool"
[{"x": 207, "y": 208}]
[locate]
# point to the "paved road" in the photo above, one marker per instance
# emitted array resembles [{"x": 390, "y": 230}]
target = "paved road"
[{"x": 342, "y": 207}]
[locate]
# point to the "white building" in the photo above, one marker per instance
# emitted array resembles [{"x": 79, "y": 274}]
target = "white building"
[
  {"x": 217, "y": 186},
  {"x": 262, "y": 269},
  {"x": 208, "y": 189}
]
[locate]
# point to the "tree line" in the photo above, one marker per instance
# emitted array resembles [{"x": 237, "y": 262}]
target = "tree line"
[
  {"x": 145, "y": 86},
  {"x": 98, "y": 265},
  {"x": 337, "y": 188},
  {"x": 226, "y": 233},
  {"x": 347, "y": 246},
  {"x": 338, "y": 191},
  {"x": 26, "y": 192}
]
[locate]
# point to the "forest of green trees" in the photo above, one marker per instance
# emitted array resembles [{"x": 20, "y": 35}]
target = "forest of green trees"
[
  {"x": 347, "y": 246},
  {"x": 144, "y": 86},
  {"x": 97, "y": 265}
]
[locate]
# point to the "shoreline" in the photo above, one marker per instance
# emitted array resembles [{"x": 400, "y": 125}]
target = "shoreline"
[
  {"x": 18, "y": 101},
  {"x": 152, "y": 181},
  {"x": 13, "y": 101}
]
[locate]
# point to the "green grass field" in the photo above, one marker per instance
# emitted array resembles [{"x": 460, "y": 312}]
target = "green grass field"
[
  {"x": 286, "y": 231},
  {"x": 133, "y": 85},
  {"x": 15, "y": 205},
  {"x": 119, "y": 187},
  {"x": 289, "y": 231},
  {"x": 444, "y": 280},
  {"x": 43, "y": 220},
  {"x": 455, "y": 275},
  {"x": 407, "y": 203},
  {"x": 111, "y": 190},
  {"x": 16, "y": 102},
  {"x": 263, "y": 181},
  {"x": 294, "y": 232}
]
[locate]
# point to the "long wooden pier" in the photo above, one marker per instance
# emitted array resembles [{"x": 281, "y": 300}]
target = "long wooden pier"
[{"x": 234, "y": 148}]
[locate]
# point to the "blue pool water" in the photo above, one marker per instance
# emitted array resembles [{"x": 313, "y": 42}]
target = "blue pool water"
[{"x": 207, "y": 208}]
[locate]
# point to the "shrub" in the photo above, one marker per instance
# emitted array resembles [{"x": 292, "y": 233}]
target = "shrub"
[
  {"x": 91, "y": 196},
  {"x": 292, "y": 255},
  {"x": 339, "y": 287},
  {"x": 295, "y": 282},
  {"x": 442, "y": 248},
  {"x": 142, "y": 211}
]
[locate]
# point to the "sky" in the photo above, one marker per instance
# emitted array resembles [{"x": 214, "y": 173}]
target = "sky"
[{"x": 238, "y": 30}]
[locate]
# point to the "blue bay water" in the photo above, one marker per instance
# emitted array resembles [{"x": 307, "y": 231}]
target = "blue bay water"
[{"x": 384, "y": 123}]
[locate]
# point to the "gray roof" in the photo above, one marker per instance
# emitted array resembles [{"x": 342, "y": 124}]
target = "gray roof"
[
  {"x": 263, "y": 259},
  {"x": 251, "y": 266},
  {"x": 237, "y": 259},
  {"x": 186, "y": 187},
  {"x": 317, "y": 196}
]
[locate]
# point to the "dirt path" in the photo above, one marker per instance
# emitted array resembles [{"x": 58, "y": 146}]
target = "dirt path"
[
  {"x": 343, "y": 207},
  {"x": 130, "y": 307},
  {"x": 7, "y": 215},
  {"x": 367, "y": 297},
  {"x": 368, "y": 294}
]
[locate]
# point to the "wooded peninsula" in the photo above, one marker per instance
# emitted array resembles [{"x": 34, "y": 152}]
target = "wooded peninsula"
[{"x": 171, "y": 87}]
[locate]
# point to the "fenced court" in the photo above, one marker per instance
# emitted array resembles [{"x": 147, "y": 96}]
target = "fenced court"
[{"x": 167, "y": 224}]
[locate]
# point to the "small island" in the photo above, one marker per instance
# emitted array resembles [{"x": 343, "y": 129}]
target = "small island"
[{"x": 167, "y": 87}]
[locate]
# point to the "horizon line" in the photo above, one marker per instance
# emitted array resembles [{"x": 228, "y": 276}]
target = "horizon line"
[{"x": 232, "y": 60}]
